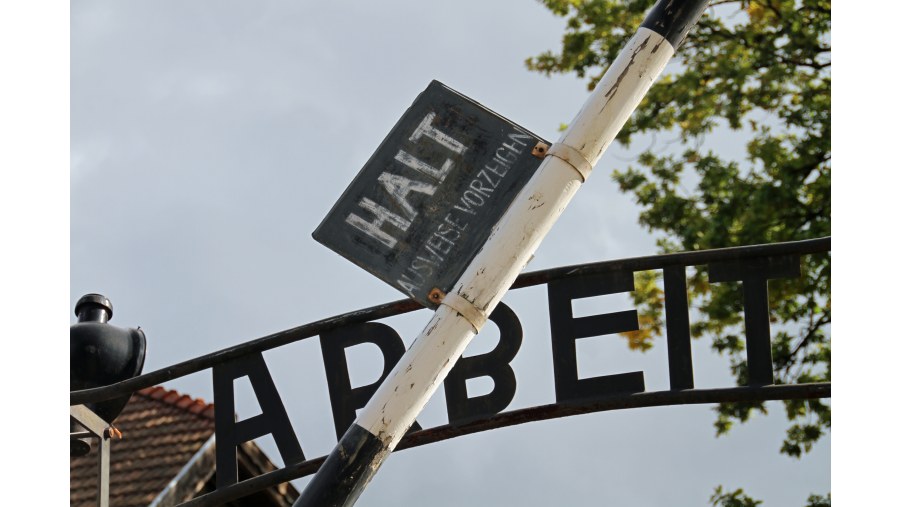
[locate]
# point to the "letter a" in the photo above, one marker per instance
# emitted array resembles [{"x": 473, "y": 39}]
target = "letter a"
[{"x": 273, "y": 419}]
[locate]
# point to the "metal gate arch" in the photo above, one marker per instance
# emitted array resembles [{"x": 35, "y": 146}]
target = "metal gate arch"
[{"x": 720, "y": 260}]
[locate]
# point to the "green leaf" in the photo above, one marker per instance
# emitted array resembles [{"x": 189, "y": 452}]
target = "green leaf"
[
  {"x": 736, "y": 498},
  {"x": 762, "y": 68}
]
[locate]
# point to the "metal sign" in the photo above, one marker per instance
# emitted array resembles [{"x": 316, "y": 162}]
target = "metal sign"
[
  {"x": 751, "y": 266},
  {"x": 425, "y": 202}
]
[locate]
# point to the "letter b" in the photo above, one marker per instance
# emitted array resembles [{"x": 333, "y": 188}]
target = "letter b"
[{"x": 494, "y": 364}]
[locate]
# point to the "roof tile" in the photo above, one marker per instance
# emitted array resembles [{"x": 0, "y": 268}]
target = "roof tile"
[{"x": 161, "y": 430}]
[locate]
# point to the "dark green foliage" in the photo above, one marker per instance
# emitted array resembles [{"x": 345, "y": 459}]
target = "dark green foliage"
[
  {"x": 761, "y": 68},
  {"x": 735, "y": 498},
  {"x": 818, "y": 501}
]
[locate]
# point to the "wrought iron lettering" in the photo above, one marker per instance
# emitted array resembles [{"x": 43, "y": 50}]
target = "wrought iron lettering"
[{"x": 751, "y": 266}]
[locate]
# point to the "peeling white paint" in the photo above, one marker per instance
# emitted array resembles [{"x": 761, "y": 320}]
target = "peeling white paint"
[{"x": 402, "y": 396}]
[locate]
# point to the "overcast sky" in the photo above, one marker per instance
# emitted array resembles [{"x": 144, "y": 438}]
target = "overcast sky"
[{"x": 209, "y": 139}]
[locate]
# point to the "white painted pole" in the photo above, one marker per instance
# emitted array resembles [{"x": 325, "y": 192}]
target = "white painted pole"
[{"x": 463, "y": 312}]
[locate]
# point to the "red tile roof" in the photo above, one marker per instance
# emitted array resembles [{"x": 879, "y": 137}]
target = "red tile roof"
[{"x": 161, "y": 430}]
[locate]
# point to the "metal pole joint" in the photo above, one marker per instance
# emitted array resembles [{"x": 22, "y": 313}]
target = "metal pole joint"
[{"x": 574, "y": 158}]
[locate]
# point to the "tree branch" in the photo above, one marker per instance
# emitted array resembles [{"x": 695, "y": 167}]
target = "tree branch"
[{"x": 825, "y": 318}]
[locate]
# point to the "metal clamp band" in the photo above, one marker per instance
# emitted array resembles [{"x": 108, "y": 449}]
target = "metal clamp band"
[
  {"x": 464, "y": 307},
  {"x": 572, "y": 157}
]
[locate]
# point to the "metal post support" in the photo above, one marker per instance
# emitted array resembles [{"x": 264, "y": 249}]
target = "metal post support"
[
  {"x": 395, "y": 405},
  {"x": 96, "y": 427},
  {"x": 103, "y": 476}
]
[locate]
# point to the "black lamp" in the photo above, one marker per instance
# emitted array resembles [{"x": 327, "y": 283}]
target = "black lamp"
[{"x": 101, "y": 354}]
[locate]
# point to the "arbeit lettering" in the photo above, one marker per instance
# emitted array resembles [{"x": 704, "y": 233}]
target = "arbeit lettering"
[{"x": 496, "y": 364}]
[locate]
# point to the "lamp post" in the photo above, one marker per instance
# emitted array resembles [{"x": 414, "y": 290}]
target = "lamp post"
[{"x": 101, "y": 354}]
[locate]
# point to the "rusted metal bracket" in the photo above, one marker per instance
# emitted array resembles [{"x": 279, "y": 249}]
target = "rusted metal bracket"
[
  {"x": 436, "y": 296},
  {"x": 540, "y": 149}
]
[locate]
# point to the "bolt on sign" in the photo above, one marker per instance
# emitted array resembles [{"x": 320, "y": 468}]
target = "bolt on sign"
[{"x": 427, "y": 199}]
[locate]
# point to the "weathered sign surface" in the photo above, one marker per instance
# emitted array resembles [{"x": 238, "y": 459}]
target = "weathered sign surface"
[{"x": 425, "y": 202}]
